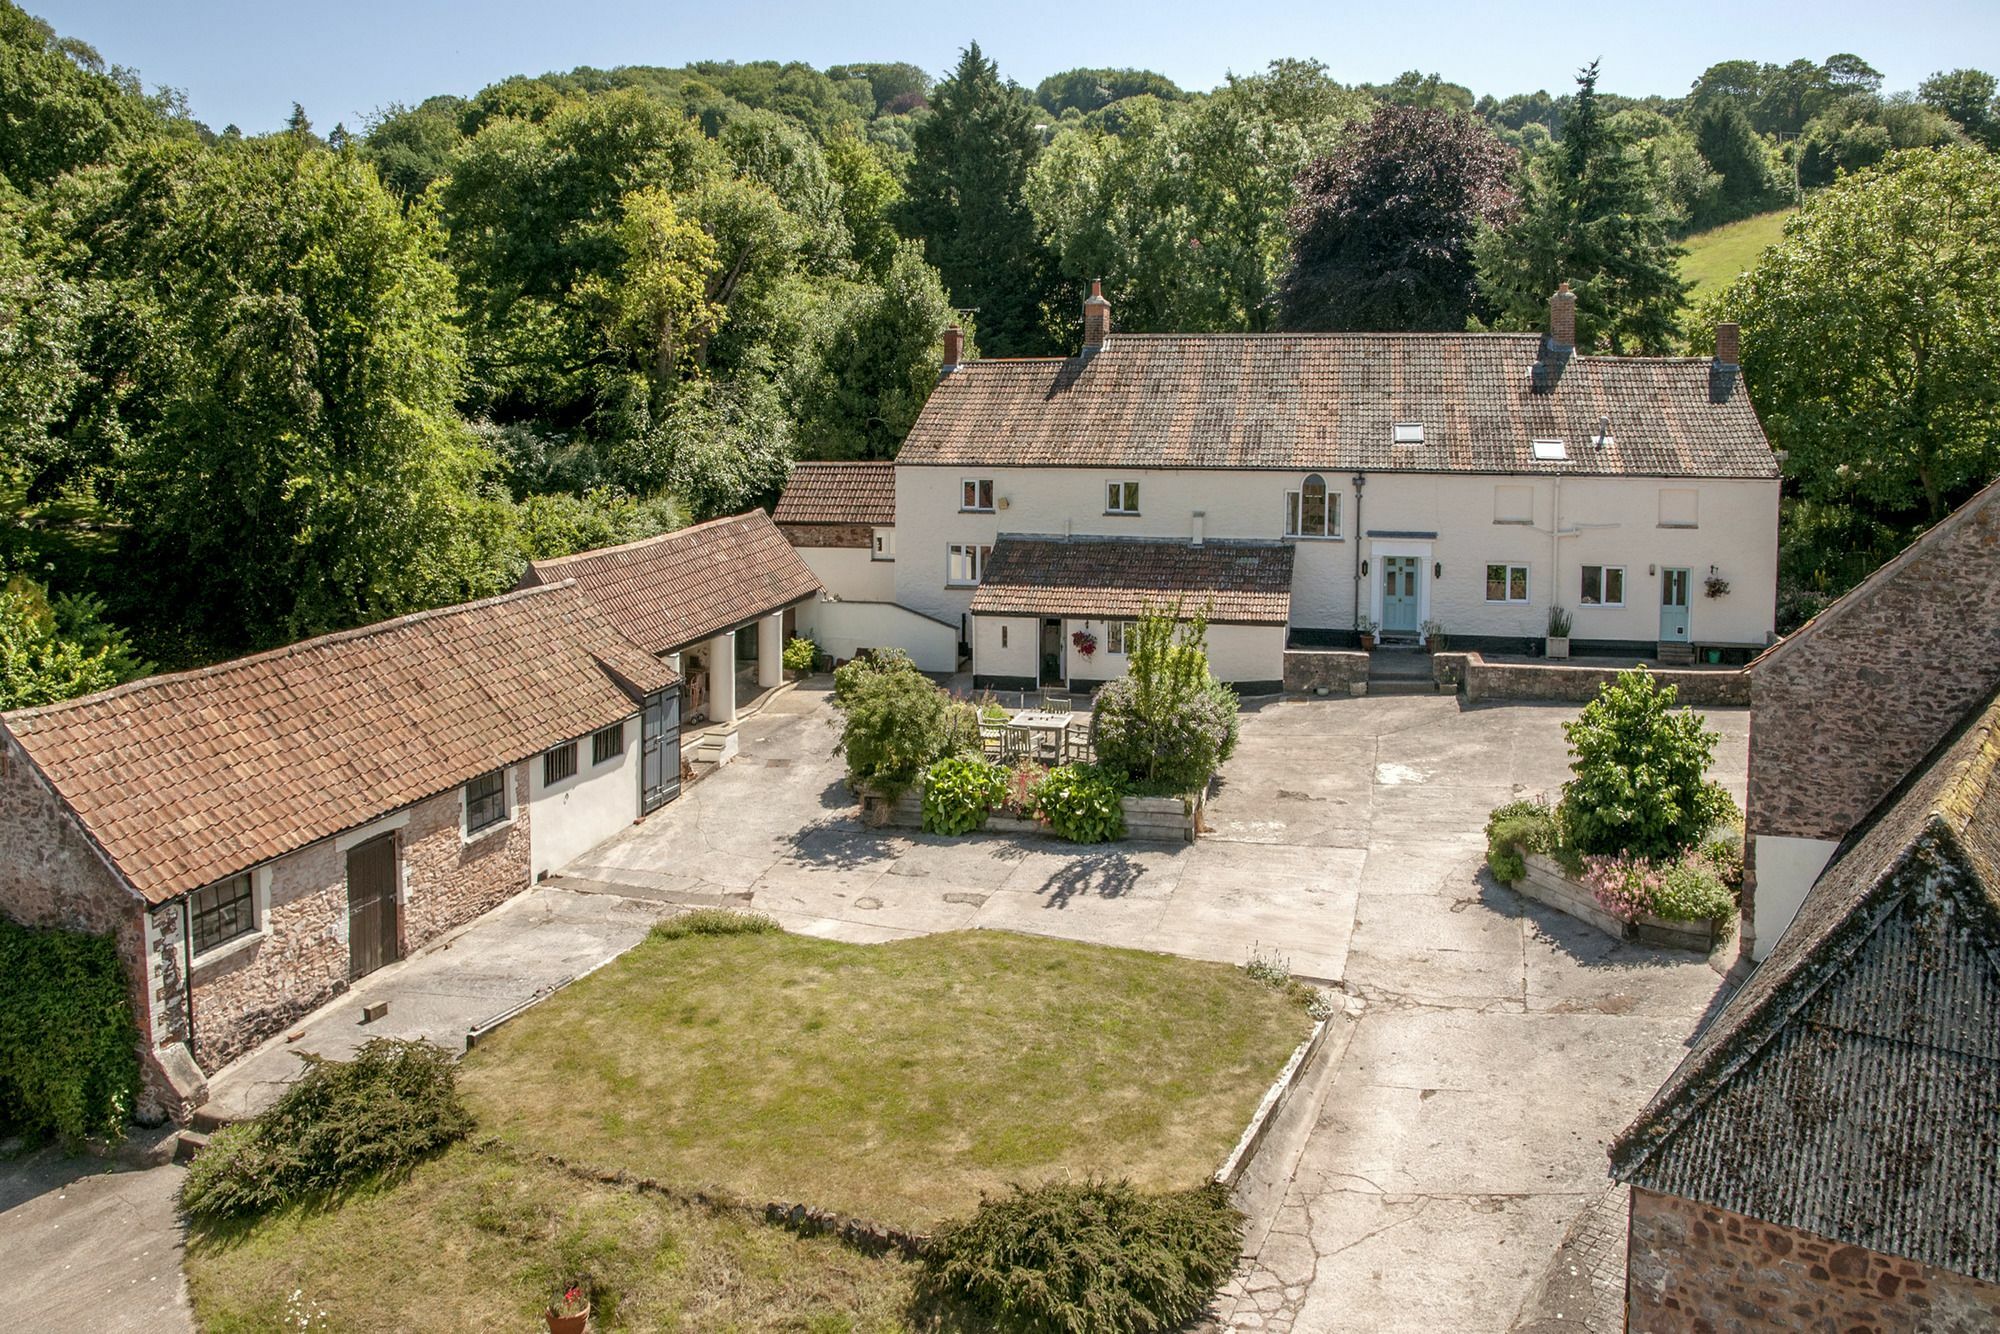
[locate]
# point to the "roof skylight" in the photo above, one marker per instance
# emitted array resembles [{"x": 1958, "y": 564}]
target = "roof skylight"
[
  {"x": 1409, "y": 433},
  {"x": 1549, "y": 451}
]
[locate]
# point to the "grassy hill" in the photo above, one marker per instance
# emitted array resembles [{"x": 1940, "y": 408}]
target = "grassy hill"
[{"x": 1716, "y": 256}]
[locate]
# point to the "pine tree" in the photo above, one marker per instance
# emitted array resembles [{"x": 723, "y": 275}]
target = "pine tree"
[
  {"x": 965, "y": 200},
  {"x": 1589, "y": 216}
]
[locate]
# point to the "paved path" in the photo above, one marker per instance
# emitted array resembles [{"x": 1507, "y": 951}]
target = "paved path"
[{"x": 1500, "y": 1044}]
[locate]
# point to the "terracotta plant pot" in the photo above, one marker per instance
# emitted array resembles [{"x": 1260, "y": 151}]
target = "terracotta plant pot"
[
  {"x": 1367, "y": 643},
  {"x": 567, "y": 1324}
]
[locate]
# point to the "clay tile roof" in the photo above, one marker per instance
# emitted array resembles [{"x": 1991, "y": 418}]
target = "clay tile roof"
[
  {"x": 1241, "y": 583},
  {"x": 840, "y": 493},
  {"x": 1302, "y": 401},
  {"x": 667, "y": 592},
  {"x": 1851, "y": 1088},
  {"x": 187, "y": 778}
]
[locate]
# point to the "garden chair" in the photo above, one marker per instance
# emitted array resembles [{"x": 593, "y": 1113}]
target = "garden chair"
[
  {"x": 1056, "y": 701},
  {"x": 993, "y": 741}
]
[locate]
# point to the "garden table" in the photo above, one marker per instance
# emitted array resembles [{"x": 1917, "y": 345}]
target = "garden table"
[{"x": 1040, "y": 721}]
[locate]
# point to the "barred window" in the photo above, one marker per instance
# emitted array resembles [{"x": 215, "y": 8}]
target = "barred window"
[
  {"x": 485, "y": 801},
  {"x": 607, "y": 744},
  {"x": 558, "y": 764},
  {"x": 222, "y": 912}
]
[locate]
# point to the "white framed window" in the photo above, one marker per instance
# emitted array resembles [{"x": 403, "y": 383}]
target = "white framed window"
[
  {"x": 1506, "y": 583},
  {"x": 1603, "y": 586},
  {"x": 1408, "y": 433},
  {"x": 1114, "y": 635},
  {"x": 965, "y": 564},
  {"x": 1121, "y": 497},
  {"x": 1312, "y": 510},
  {"x": 222, "y": 912},
  {"x": 975, "y": 495},
  {"x": 485, "y": 801},
  {"x": 1678, "y": 509}
]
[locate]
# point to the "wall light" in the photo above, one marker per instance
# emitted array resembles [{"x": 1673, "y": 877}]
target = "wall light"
[
  {"x": 1364, "y": 567},
  {"x": 1437, "y": 569}
]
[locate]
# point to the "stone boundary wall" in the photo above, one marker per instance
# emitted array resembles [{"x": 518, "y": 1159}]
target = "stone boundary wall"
[
  {"x": 1546, "y": 883},
  {"x": 850, "y": 536},
  {"x": 1481, "y": 680},
  {"x": 1333, "y": 671},
  {"x": 1694, "y": 1266},
  {"x": 1147, "y": 819},
  {"x": 1274, "y": 1100}
]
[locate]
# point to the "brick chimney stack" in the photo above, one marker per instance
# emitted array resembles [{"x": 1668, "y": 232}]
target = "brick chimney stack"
[
  {"x": 954, "y": 347},
  {"x": 1727, "y": 364},
  {"x": 1096, "y": 317},
  {"x": 1728, "y": 345},
  {"x": 1562, "y": 318}
]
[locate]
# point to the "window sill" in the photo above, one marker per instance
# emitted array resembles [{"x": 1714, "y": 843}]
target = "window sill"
[
  {"x": 228, "y": 949},
  {"x": 1121, "y": 514},
  {"x": 1684, "y": 527},
  {"x": 1601, "y": 606},
  {"x": 1513, "y": 523},
  {"x": 467, "y": 837},
  {"x": 961, "y": 585},
  {"x": 1510, "y": 602},
  {"x": 1314, "y": 537},
  {"x": 963, "y": 510}
]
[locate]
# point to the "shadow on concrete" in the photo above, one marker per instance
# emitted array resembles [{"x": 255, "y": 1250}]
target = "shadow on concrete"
[
  {"x": 49, "y": 1170},
  {"x": 835, "y": 796},
  {"x": 1102, "y": 875},
  {"x": 840, "y": 845},
  {"x": 1579, "y": 940}
]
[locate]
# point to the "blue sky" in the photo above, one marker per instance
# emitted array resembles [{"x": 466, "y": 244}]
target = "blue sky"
[{"x": 247, "y": 62}]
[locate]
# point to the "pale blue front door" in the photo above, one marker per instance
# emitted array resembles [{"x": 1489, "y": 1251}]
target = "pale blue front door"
[
  {"x": 1399, "y": 595},
  {"x": 1673, "y": 606}
]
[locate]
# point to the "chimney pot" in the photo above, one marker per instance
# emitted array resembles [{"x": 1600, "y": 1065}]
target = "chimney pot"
[
  {"x": 1728, "y": 345},
  {"x": 954, "y": 347},
  {"x": 1096, "y": 317},
  {"x": 1562, "y": 317}
]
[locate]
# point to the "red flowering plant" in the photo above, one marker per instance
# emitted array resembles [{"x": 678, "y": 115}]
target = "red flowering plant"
[
  {"x": 1086, "y": 642},
  {"x": 572, "y": 1300}
]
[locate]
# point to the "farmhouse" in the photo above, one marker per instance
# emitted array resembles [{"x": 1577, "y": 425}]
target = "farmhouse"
[
  {"x": 704, "y": 598},
  {"x": 256, "y": 834},
  {"x": 1843, "y": 708},
  {"x": 1399, "y": 483},
  {"x": 1824, "y": 1156}
]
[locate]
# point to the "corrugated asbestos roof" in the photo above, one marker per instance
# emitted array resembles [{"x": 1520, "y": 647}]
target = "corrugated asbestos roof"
[
  {"x": 1852, "y": 1087},
  {"x": 187, "y": 778},
  {"x": 840, "y": 493},
  {"x": 1239, "y": 583},
  {"x": 667, "y": 592},
  {"x": 1302, "y": 401}
]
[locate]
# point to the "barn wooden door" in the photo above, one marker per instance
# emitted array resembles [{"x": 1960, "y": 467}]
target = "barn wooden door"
[{"x": 371, "y": 905}]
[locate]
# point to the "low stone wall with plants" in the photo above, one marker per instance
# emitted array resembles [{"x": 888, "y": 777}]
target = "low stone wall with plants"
[
  {"x": 1481, "y": 680},
  {"x": 1146, "y": 819},
  {"x": 1325, "y": 671},
  {"x": 1544, "y": 881}
]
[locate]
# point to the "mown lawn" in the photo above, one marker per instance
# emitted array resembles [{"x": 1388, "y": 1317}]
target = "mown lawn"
[
  {"x": 896, "y": 1082},
  {"x": 1717, "y": 256},
  {"x": 474, "y": 1242}
]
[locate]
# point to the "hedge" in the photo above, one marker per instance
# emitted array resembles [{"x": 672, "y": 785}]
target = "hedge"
[{"x": 69, "y": 1059}]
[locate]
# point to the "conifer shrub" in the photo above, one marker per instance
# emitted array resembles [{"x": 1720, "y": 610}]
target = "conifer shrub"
[
  {"x": 1088, "y": 1257},
  {"x": 392, "y": 1106}
]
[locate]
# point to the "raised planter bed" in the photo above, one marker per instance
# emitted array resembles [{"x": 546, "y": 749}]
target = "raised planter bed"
[
  {"x": 1147, "y": 819},
  {"x": 1547, "y": 883}
]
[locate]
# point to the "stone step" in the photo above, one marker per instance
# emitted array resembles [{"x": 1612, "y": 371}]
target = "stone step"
[
  {"x": 1675, "y": 652},
  {"x": 1401, "y": 685}
]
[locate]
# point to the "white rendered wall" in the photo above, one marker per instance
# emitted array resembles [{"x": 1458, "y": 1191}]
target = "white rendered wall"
[
  {"x": 845, "y": 628},
  {"x": 851, "y": 573},
  {"x": 1786, "y": 869},
  {"x": 583, "y": 810},
  {"x": 1021, "y": 655},
  {"x": 1235, "y": 652},
  {"x": 1607, "y": 521}
]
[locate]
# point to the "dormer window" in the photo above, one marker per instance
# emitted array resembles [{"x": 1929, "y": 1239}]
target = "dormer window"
[{"x": 1409, "y": 433}]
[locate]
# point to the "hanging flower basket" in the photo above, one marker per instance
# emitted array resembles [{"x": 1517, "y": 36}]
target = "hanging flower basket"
[{"x": 1084, "y": 642}]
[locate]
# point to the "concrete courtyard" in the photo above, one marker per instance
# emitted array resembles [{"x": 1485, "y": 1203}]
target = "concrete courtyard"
[{"x": 1499, "y": 1044}]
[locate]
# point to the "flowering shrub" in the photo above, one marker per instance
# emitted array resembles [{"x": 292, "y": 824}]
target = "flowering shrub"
[
  {"x": 1024, "y": 785},
  {"x": 1687, "y": 889}
]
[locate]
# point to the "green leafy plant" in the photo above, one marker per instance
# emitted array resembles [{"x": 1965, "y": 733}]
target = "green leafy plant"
[
  {"x": 1167, "y": 724},
  {"x": 1081, "y": 804},
  {"x": 959, "y": 792},
  {"x": 1688, "y": 889},
  {"x": 392, "y": 1106},
  {"x": 69, "y": 1062},
  {"x": 1086, "y": 1257},
  {"x": 896, "y": 722},
  {"x": 1639, "y": 769},
  {"x": 800, "y": 655},
  {"x": 1024, "y": 785},
  {"x": 713, "y": 922},
  {"x": 1559, "y": 623}
]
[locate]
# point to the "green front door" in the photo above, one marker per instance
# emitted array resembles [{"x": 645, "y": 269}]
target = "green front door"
[{"x": 1399, "y": 595}]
